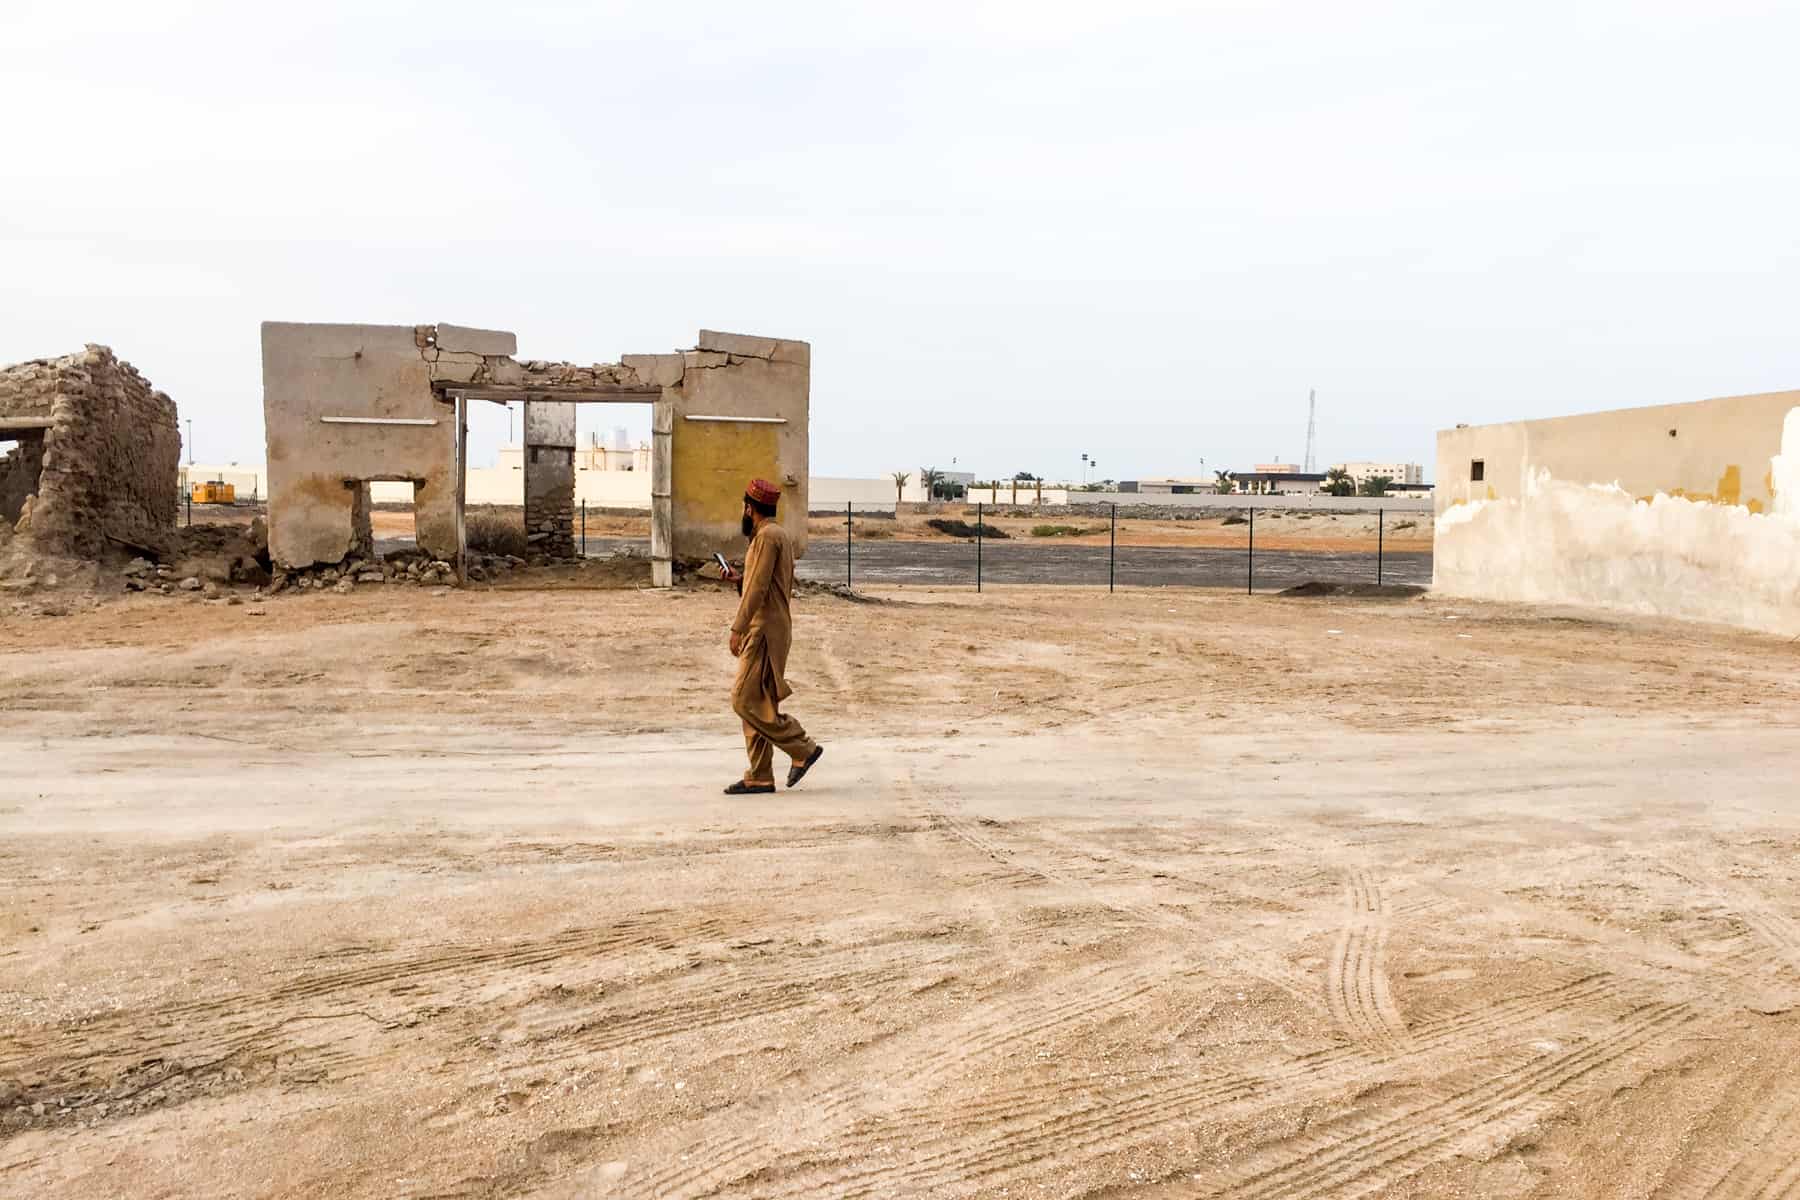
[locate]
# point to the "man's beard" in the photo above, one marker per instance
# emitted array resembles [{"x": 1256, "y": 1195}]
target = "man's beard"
[{"x": 749, "y": 526}]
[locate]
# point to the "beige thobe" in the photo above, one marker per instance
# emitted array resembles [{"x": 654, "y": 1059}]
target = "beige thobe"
[{"x": 765, "y": 622}]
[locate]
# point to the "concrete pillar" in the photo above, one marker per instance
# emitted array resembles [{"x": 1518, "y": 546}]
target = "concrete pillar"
[
  {"x": 362, "y": 523},
  {"x": 437, "y": 515},
  {"x": 549, "y": 445},
  {"x": 662, "y": 504}
]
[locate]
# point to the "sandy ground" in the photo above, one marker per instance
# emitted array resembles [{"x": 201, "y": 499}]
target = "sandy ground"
[{"x": 1162, "y": 894}]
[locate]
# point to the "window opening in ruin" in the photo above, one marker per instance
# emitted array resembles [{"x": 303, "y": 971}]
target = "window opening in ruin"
[
  {"x": 1477, "y": 470},
  {"x": 21, "y": 470},
  {"x": 384, "y": 516}
]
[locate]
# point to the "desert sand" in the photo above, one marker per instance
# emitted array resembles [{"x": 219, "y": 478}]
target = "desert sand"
[{"x": 1169, "y": 893}]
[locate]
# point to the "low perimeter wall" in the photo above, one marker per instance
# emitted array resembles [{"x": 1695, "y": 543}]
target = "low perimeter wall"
[{"x": 1682, "y": 510}]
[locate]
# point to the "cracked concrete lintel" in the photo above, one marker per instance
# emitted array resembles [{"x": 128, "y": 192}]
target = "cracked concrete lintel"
[
  {"x": 490, "y": 342},
  {"x": 699, "y": 360},
  {"x": 747, "y": 346},
  {"x": 656, "y": 370},
  {"x": 452, "y": 367}
]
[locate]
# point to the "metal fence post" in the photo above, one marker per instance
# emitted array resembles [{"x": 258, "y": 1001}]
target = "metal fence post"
[
  {"x": 1250, "y": 558},
  {"x": 190, "y": 503},
  {"x": 584, "y": 529},
  {"x": 1112, "y": 551},
  {"x": 849, "y": 528},
  {"x": 1380, "y": 537},
  {"x": 977, "y": 545}
]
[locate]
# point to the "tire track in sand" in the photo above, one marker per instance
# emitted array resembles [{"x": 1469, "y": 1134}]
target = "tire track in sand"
[
  {"x": 991, "y": 1139},
  {"x": 1369, "y": 1153},
  {"x": 1749, "y": 1149},
  {"x": 1356, "y": 982},
  {"x": 130, "y": 1052},
  {"x": 736, "y": 1144}
]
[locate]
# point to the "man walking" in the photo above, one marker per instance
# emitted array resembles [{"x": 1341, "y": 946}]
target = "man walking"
[{"x": 761, "y": 633}]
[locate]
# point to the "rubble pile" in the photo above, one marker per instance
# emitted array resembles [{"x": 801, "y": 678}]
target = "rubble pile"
[{"x": 401, "y": 569}]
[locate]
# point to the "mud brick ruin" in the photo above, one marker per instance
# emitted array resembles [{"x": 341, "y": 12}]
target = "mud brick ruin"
[
  {"x": 348, "y": 405},
  {"x": 89, "y": 453}
]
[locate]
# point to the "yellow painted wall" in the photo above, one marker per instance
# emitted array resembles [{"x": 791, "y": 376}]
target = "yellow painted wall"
[{"x": 711, "y": 462}]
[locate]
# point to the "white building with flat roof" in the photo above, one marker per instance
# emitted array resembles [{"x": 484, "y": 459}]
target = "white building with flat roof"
[{"x": 1396, "y": 472}]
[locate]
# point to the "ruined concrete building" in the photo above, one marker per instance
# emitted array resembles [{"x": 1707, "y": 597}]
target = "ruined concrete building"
[
  {"x": 89, "y": 452},
  {"x": 347, "y": 405}
]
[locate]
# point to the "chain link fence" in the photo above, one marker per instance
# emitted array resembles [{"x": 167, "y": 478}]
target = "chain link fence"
[{"x": 1255, "y": 549}]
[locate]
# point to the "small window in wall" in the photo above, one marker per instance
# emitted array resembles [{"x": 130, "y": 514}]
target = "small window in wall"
[{"x": 1477, "y": 470}]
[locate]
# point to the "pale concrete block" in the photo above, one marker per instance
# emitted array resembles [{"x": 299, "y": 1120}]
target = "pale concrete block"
[
  {"x": 549, "y": 423},
  {"x": 748, "y": 346},
  {"x": 505, "y": 371},
  {"x": 656, "y": 370},
  {"x": 476, "y": 341},
  {"x": 798, "y": 353},
  {"x": 698, "y": 359},
  {"x": 457, "y": 367}
]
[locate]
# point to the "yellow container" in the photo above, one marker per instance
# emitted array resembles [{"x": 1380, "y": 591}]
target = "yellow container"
[{"x": 214, "y": 492}]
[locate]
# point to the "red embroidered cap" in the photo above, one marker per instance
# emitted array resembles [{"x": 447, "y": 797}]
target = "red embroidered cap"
[{"x": 763, "y": 492}]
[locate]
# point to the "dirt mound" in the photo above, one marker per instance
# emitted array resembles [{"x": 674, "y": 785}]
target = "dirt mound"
[
  {"x": 806, "y": 587},
  {"x": 962, "y": 529},
  {"x": 1372, "y": 591}
]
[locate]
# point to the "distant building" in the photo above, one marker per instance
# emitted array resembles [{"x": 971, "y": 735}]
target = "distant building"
[
  {"x": 1167, "y": 487},
  {"x": 1278, "y": 469},
  {"x": 1396, "y": 472},
  {"x": 1262, "y": 482},
  {"x": 620, "y": 456}
]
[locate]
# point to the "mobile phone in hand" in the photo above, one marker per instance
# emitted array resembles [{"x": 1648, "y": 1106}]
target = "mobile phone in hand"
[{"x": 723, "y": 565}]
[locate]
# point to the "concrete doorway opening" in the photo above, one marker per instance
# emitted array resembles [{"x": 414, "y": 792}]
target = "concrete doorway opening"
[
  {"x": 386, "y": 516},
  {"x": 21, "y": 471},
  {"x": 561, "y": 469}
]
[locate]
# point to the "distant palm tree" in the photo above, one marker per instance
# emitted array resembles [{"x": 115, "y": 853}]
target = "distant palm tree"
[
  {"x": 929, "y": 478},
  {"x": 1224, "y": 482},
  {"x": 1339, "y": 483},
  {"x": 901, "y": 479}
]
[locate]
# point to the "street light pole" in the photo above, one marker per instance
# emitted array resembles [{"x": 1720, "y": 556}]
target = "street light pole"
[{"x": 190, "y": 441}]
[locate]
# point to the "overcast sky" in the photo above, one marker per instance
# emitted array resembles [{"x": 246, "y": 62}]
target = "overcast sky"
[{"x": 1013, "y": 232}]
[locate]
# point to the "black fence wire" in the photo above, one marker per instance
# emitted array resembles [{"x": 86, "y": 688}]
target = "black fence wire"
[{"x": 979, "y": 554}]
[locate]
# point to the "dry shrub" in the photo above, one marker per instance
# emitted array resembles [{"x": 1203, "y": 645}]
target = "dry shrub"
[{"x": 490, "y": 533}]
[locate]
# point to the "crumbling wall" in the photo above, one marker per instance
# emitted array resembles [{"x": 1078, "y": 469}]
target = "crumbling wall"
[
  {"x": 1686, "y": 510},
  {"x": 346, "y": 404},
  {"x": 111, "y": 451}
]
